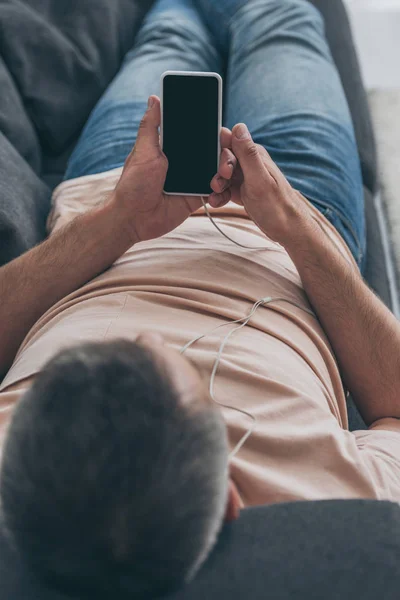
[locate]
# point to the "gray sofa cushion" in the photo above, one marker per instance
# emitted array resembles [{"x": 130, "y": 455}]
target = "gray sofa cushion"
[
  {"x": 328, "y": 550},
  {"x": 24, "y": 204},
  {"x": 15, "y": 124},
  {"x": 314, "y": 550},
  {"x": 62, "y": 54}
]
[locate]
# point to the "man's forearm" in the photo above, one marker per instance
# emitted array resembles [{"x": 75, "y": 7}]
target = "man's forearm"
[
  {"x": 364, "y": 334},
  {"x": 32, "y": 283}
]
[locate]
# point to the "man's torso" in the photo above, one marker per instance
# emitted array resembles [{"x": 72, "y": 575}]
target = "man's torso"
[{"x": 280, "y": 367}]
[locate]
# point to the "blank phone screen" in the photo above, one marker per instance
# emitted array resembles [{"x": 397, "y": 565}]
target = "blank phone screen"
[{"x": 190, "y": 132}]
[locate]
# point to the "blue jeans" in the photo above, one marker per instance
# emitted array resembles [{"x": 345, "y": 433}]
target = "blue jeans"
[{"x": 279, "y": 79}]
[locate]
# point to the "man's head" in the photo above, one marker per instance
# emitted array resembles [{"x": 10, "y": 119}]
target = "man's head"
[{"x": 115, "y": 470}]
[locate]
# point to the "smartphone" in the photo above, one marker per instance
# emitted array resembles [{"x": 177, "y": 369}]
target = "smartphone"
[{"x": 191, "y": 116}]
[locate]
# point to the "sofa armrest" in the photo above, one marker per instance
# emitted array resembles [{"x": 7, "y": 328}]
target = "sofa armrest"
[
  {"x": 385, "y": 109},
  {"x": 340, "y": 38}
]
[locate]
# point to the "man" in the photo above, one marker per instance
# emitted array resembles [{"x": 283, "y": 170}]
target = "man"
[{"x": 115, "y": 475}]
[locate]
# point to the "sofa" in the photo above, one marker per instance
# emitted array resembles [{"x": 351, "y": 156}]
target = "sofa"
[{"x": 56, "y": 59}]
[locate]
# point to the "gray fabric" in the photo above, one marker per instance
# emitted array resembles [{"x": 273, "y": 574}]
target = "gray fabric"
[
  {"x": 339, "y": 550},
  {"x": 62, "y": 54},
  {"x": 24, "y": 204},
  {"x": 54, "y": 166},
  {"x": 341, "y": 43},
  {"x": 356, "y": 422},
  {"x": 15, "y": 124},
  {"x": 385, "y": 109},
  {"x": 328, "y": 550},
  {"x": 376, "y": 270}
]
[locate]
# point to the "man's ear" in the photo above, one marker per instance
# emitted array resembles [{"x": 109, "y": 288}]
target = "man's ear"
[{"x": 234, "y": 503}]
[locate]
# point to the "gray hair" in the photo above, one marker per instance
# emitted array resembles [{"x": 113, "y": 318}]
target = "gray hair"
[{"x": 109, "y": 483}]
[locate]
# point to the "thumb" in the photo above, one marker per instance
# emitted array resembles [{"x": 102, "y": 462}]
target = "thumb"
[
  {"x": 147, "y": 140},
  {"x": 246, "y": 151}
]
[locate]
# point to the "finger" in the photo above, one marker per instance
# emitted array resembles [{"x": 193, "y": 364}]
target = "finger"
[
  {"x": 218, "y": 200},
  {"x": 148, "y": 138},
  {"x": 247, "y": 152},
  {"x": 226, "y": 137},
  {"x": 227, "y": 163},
  {"x": 271, "y": 166},
  {"x": 267, "y": 157},
  {"x": 219, "y": 184}
]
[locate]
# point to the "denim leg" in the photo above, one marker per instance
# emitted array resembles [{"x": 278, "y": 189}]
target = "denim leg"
[
  {"x": 282, "y": 82},
  {"x": 172, "y": 36}
]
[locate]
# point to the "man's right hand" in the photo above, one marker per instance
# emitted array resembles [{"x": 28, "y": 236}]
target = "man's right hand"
[{"x": 257, "y": 183}]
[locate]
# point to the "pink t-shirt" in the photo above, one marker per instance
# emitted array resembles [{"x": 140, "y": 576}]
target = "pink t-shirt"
[{"x": 280, "y": 367}]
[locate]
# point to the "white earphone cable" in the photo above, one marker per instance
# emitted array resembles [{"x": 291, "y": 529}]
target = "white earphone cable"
[
  {"x": 227, "y": 236},
  {"x": 244, "y": 321}
]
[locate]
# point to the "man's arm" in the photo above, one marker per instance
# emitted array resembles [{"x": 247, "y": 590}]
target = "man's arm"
[
  {"x": 32, "y": 283},
  {"x": 364, "y": 334},
  {"x": 137, "y": 211}
]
